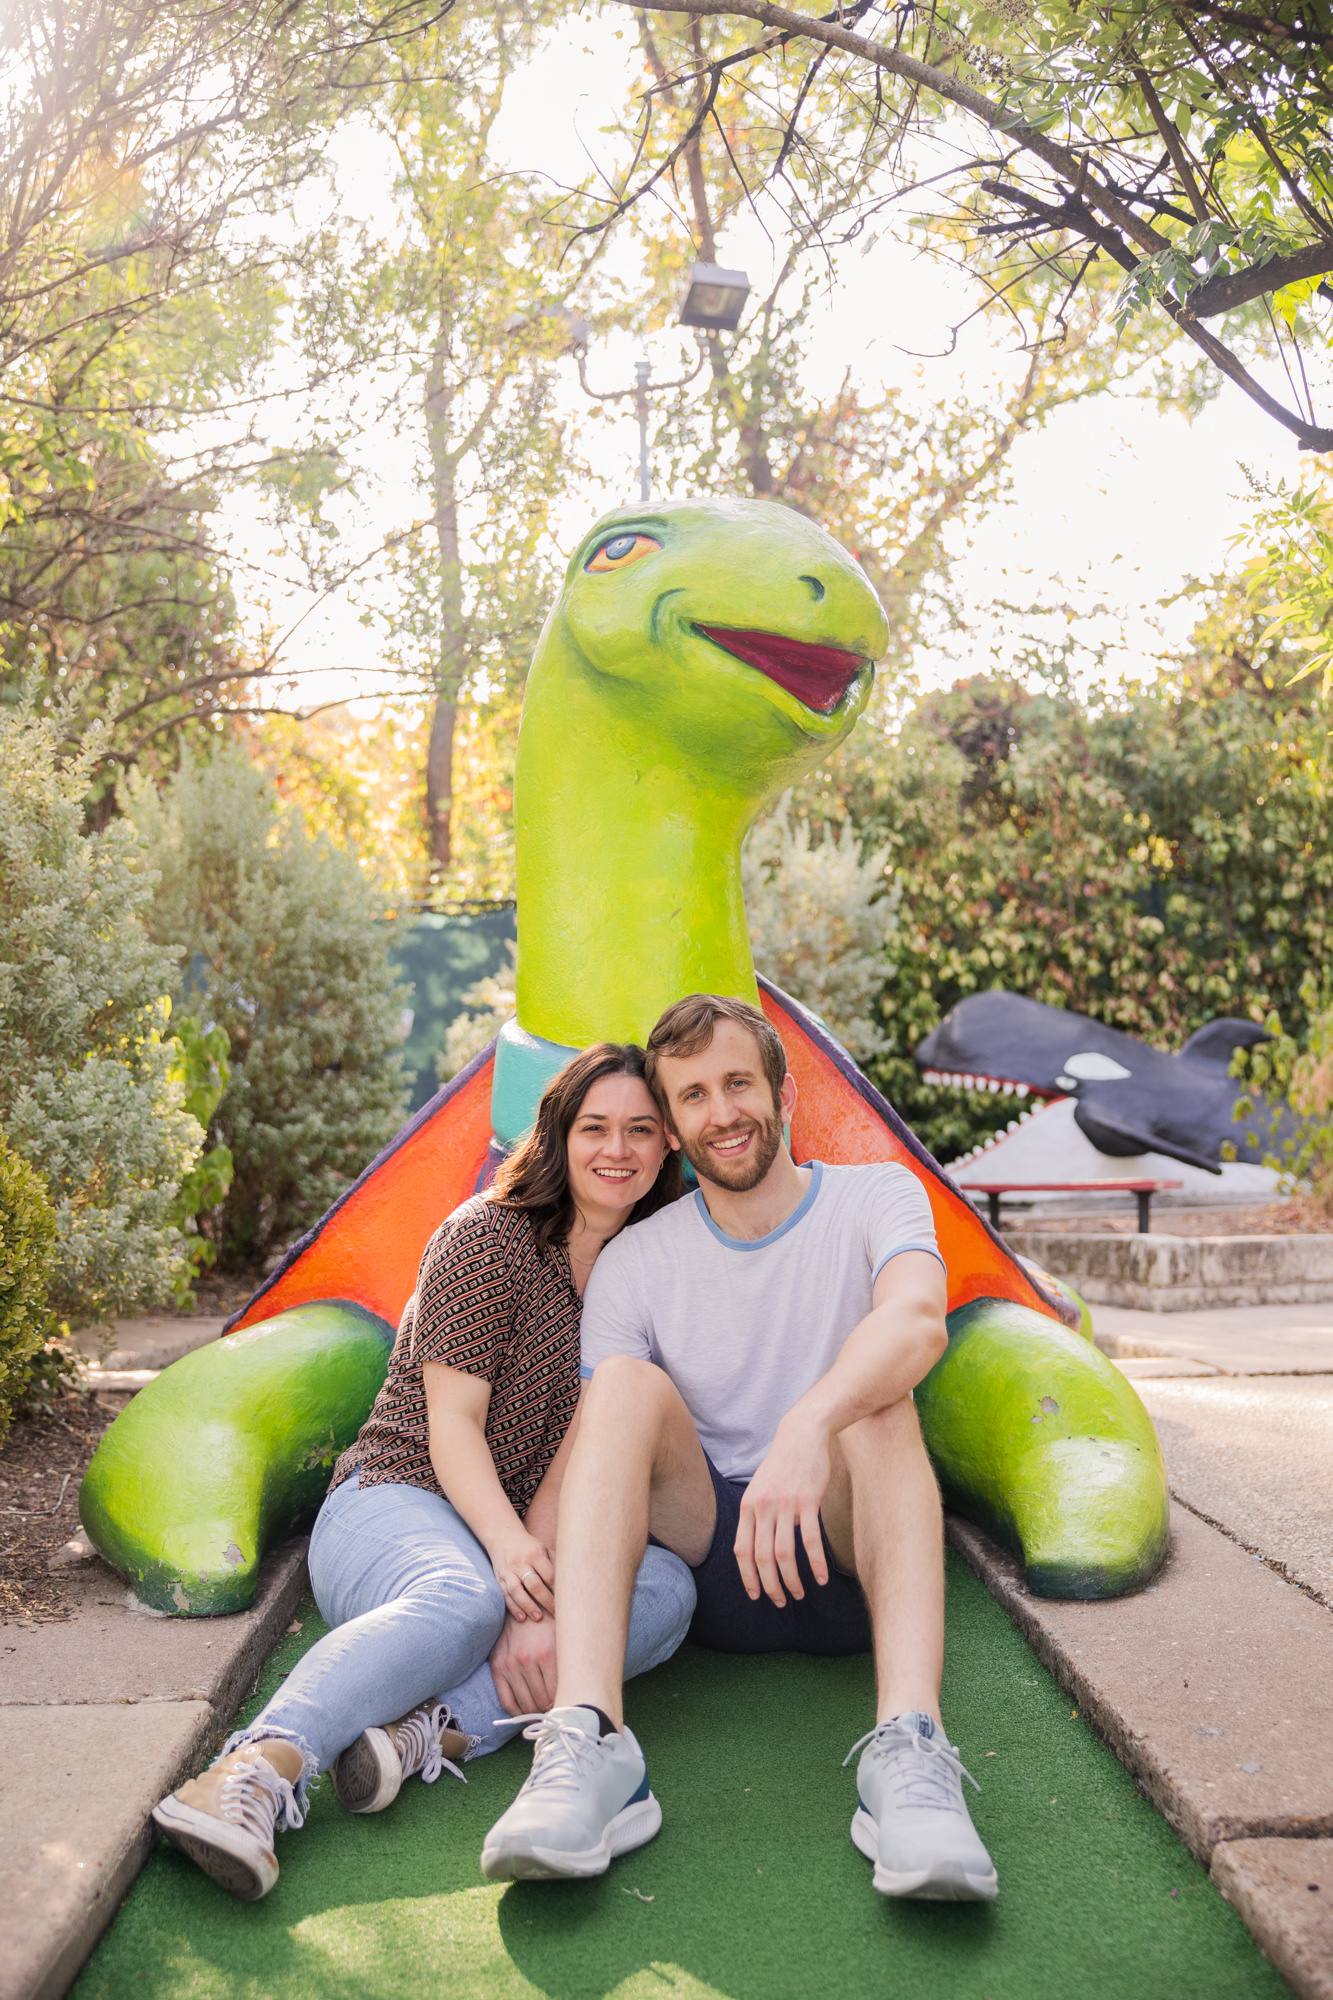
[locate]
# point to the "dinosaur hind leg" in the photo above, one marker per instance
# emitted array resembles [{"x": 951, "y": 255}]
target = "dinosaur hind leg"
[{"x": 1043, "y": 1443}]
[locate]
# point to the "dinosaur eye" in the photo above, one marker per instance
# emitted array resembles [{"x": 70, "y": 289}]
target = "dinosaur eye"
[{"x": 621, "y": 551}]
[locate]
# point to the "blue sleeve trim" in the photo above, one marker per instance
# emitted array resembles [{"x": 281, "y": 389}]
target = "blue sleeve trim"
[
  {"x": 585, "y": 1373},
  {"x": 930, "y": 1249}
]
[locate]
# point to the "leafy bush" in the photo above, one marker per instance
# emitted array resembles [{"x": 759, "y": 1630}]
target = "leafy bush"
[
  {"x": 286, "y": 950},
  {"x": 1280, "y": 1068},
  {"x": 822, "y": 920},
  {"x": 202, "y": 1070},
  {"x": 27, "y": 1260},
  {"x": 86, "y": 1092},
  {"x": 487, "y": 1006}
]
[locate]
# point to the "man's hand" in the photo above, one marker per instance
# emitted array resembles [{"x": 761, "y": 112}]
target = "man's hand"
[
  {"x": 785, "y": 1493},
  {"x": 523, "y": 1663}
]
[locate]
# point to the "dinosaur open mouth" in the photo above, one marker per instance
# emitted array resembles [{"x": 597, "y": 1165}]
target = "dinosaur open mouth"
[{"x": 819, "y": 676}]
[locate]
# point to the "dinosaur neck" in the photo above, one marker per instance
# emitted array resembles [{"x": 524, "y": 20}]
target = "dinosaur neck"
[{"x": 628, "y": 852}]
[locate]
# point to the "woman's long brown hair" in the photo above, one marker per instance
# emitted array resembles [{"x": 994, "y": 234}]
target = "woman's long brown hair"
[{"x": 535, "y": 1177}]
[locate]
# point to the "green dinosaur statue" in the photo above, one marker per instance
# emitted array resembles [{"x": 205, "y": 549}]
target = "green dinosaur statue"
[{"x": 700, "y": 657}]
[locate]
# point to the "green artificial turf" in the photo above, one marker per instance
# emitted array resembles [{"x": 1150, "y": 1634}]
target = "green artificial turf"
[{"x": 752, "y": 1890}]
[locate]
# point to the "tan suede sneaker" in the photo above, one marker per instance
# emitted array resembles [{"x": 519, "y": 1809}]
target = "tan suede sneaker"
[
  {"x": 370, "y": 1772},
  {"x": 224, "y": 1820}
]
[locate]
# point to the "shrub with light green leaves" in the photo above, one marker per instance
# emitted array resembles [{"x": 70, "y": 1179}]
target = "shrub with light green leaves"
[
  {"x": 1299, "y": 1072},
  {"x": 822, "y": 920},
  {"x": 202, "y": 1070},
  {"x": 286, "y": 948},
  {"x": 86, "y": 1092},
  {"x": 486, "y": 1008},
  {"x": 27, "y": 1260}
]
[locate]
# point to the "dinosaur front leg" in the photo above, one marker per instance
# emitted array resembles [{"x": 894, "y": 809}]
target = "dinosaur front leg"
[
  {"x": 1037, "y": 1438},
  {"x": 230, "y": 1449}
]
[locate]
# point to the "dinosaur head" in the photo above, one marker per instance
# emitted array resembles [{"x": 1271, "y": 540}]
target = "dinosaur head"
[
  {"x": 702, "y": 655},
  {"x": 733, "y": 630}
]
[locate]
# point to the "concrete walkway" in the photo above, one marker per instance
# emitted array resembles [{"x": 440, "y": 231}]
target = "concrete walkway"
[
  {"x": 1256, "y": 1455},
  {"x": 1214, "y": 1686},
  {"x": 1233, "y": 1340},
  {"x": 99, "y": 1718},
  {"x": 141, "y": 1348}
]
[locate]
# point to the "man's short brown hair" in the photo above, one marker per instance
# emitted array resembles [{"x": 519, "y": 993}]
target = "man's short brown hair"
[{"x": 687, "y": 1027}]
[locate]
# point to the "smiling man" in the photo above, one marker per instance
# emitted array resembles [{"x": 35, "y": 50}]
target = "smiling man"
[{"x": 752, "y": 1351}]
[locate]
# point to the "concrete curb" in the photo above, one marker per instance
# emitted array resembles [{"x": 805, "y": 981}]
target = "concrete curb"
[
  {"x": 1212, "y": 1686},
  {"x": 84, "y": 1848},
  {"x": 81, "y": 1777},
  {"x": 1283, "y": 1890}
]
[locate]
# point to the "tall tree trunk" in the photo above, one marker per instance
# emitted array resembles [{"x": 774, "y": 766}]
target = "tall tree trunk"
[
  {"x": 450, "y": 661},
  {"x": 440, "y": 780}
]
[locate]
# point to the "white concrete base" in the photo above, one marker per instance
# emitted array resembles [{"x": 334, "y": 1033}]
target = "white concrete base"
[{"x": 1049, "y": 1145}]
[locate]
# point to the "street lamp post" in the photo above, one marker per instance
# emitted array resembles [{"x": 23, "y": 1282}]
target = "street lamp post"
[
  {"x": 642, "y": 383},
  {"x": 713, "y": 302}
]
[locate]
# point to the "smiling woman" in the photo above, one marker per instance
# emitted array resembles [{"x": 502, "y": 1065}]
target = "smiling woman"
[{"x": 434, "y": 1553}]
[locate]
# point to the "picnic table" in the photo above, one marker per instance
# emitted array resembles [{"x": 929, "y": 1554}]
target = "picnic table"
[{"x": 1145, "y": 1190}]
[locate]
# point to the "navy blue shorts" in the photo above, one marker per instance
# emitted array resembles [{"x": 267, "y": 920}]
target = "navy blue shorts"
[{"x": 831, "y": 1619}]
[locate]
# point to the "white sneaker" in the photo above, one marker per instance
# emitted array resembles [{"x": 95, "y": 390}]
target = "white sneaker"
[
  {"x": 225, "y": 1818},
  {"x": 911, "y": 1820},
  {"x": 369, "y": 1774},
  {"x": 585, "y": 1801}
]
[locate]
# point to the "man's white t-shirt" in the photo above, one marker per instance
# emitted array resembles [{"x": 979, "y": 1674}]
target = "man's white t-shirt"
[{"x": 745, "y": 1328}]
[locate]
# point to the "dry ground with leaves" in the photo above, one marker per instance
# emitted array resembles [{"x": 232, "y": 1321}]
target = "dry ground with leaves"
[{"x": 42, "y": 1463}]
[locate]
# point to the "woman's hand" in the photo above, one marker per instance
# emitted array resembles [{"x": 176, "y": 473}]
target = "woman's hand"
[
  {"x": 523, "y": 1664},
  {"x": 525, "y": 1571}
]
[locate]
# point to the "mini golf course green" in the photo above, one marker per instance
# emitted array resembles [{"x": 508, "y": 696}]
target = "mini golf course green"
[{"x": 752, "y": 1891}]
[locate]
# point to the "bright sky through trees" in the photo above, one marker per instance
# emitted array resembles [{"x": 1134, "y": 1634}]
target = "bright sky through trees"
[{"x": 1113, "y": 504}]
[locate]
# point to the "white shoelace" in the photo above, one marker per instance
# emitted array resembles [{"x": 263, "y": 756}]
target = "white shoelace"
[
  {"x": 259, "y": 1800},
  {"x": 419, "y": 1746},
  {"x": 930, "y": 1778},
  {"x": 561, "y": 1751}
]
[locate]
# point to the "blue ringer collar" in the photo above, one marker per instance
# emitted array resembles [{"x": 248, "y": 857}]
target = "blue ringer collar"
[{"x": 762, "y": 1242}]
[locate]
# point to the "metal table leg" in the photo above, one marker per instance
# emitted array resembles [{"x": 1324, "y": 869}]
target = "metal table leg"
[
  {"x": 1145, "y": 1204},
  {"x": 993, "y": 1201}
]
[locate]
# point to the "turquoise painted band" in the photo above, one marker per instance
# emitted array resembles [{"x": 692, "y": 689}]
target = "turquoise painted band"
[{"x": 524, "y": 1065}]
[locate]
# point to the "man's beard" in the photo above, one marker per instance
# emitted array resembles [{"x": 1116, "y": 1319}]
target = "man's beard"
[{"x": 747, "y": 1172}]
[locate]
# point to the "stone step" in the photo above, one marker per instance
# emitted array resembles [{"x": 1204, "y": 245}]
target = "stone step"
[
  {"x": 1170, "y": 1274},
  {"x": 1233, "y": 1340}
]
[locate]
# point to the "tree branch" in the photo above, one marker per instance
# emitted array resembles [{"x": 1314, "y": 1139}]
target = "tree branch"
[
  {"x": 1069, "y": 165},
  {"x": 1237, "y": 288}
]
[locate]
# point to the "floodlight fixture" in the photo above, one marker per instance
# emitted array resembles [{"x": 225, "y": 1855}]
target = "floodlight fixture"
[{"x": 714, "y": 299}]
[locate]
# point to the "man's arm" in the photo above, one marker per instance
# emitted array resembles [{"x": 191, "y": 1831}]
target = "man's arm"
[{"x": 884, "y": 1357}]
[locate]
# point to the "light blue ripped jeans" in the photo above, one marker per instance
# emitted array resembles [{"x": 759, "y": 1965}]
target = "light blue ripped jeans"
[{"x": 415, "y": 1610}]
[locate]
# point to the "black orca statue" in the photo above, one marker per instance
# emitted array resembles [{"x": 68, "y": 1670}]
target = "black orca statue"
[{"x": 1130, "y": 1098}]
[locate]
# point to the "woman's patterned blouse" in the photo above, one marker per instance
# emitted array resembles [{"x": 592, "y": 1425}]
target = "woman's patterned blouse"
[{"x": 489, "y": 1304}]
